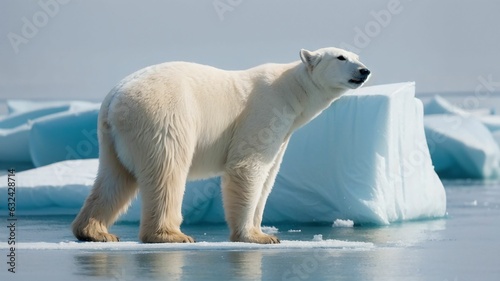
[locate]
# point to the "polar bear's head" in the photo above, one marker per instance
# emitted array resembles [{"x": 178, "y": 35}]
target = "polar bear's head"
[{"x": 333, "y": 68}]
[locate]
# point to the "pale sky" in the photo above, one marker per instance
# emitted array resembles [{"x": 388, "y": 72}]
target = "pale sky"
[{"x": 81, "y": 49}]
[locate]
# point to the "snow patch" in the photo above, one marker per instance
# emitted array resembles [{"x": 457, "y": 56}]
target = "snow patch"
[
  {"x": 471, "y": 203},
  {"x": 317, "y": 237},
  {"x": 199, "y": 246},
  {"x": 343, "y": 223},
  {"x": 269, "y": 229}
]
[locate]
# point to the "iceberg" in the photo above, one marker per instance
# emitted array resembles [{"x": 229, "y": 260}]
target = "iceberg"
[
  {"x": 19, "y": 106},
  {"x": 439, "y": 105},
  {"x": 461, "y": 147},
  {"x": 78, "y": 141},
  {"x": 59, "y": 188},
  {"x": 21, "y": 112},
  {"x": 14, "y": 145},
  {"x": 462, "y": 143},
  {"x": 496, "y": 136},
  {"x": 365, "y": 160},
  {"x": 41, "y": 133},
  {"x": 17, "y": 119},
  {"x": 492, "y": 122}
]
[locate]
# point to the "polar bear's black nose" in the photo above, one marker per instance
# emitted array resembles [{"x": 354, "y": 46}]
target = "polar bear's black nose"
[{"x": 364, "y": 71}]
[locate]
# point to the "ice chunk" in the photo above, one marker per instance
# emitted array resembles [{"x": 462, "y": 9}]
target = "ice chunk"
[
  {"x": 14, "y": 145},
  {"x": 15, "y": 120},
  {"x": 44, "y": 133},
  {"x": 20, "y": 106},
  {"x": 492, "y": 122},
  {"x": 63, "y": 136},
  {"x": 461, "y": 147},
  {"x": 317, "y": 237},
  {"x": 21, "y": 112},
  {"x": 59, "y": 188},
  {"x": 343, "y": 223},
  {"x": 496, "y": 136},
  {"x": 460, "y": 142},
  {"x": 365, "y": 159},
  {"x": 439, "y": 105},
  {"x": 203, "y": 202},
  {"x": 269, "y": 229},
  {"x": 199, "y": 246}
]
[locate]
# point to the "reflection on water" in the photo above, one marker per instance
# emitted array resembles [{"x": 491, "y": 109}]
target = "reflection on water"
[
  {"x": 170, "y": 265},
  {"x": 108, "y": 265},
  {"x": 131, "y": 266},
  {"x": 391, "y": 245},
  {"x": 160, "y": 265},
  {"x": 247, "y": 264}
]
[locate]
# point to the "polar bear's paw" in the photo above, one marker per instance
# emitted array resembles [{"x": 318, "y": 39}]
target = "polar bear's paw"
[
  {"x": 259, "y": 238},
  {"x": 93, "y": 232},
  {"x": 97, "y": 236},
  {"x": 167, "y": 237},
  {"x": 263, "y": 238},
  {"x": 105, "y": 237}
]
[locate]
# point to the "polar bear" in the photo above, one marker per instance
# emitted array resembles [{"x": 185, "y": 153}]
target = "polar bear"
[{"x": 179, "y": 121}]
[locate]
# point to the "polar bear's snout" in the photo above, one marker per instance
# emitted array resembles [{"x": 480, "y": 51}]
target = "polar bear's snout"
[
  {"x": 361, "y": 76},
  {"x": 364, "y": 71}
]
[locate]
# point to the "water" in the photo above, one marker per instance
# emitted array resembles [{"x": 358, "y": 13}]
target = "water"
[{"x": 462, "y": 246}]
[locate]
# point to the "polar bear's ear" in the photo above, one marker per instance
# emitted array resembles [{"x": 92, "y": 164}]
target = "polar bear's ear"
[{"x": 310, "y": 59}]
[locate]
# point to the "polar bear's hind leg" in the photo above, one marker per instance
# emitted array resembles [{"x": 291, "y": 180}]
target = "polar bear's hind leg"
[
  {"x": 163, "y": 161},
  {"x": 111, "y": 194}
]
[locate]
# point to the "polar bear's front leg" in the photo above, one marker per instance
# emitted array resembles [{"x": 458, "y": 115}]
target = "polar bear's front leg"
[
  {"x": 242, "y": 189},
  {"x": 268, "y": 185}
]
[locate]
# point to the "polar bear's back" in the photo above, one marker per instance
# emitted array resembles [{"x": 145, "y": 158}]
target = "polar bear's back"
[
  {"x": 173, "y": 84},
  {"x": 199, "y": 102}
]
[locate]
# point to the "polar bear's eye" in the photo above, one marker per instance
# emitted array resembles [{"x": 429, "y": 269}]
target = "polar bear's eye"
[{"x": 341, "y": 58}]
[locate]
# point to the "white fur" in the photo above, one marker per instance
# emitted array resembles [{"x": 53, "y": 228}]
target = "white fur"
[{"x": 181, "y": 121}]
